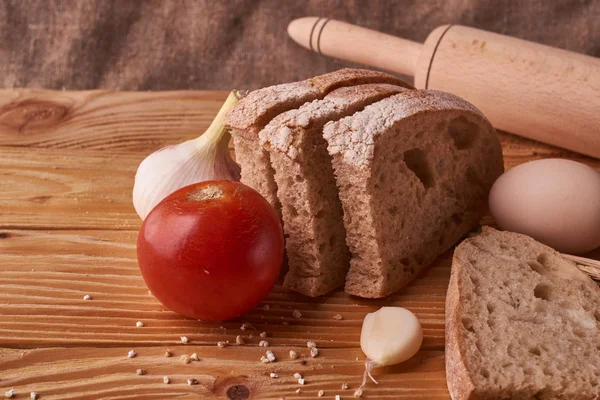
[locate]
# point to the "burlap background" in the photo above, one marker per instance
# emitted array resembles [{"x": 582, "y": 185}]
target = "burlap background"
[{"x": 186, "y": 44}]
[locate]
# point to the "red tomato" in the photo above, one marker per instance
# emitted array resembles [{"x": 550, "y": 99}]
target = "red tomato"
[{"x": 212, "y": 250}]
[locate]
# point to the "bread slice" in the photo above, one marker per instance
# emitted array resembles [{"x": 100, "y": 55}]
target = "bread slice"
[
  {"x": 254, "y": 111},
  {"x": 413, "y": 173},
  {"x": 312, "y": 214},
  {"x": 521, "y": 322}
]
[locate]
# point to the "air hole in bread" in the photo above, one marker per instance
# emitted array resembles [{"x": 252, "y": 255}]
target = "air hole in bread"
[
  {"x": 579, "y": 333},
  {"x": 542, "y": 291},
  {"x": 485, "y": 373},
  {"x": 547, "y": 371},
  {"x": 320, "y": 214},
  {"x": 291, "y": 210},
  {"x": 536, "y": 351},
  {"x": 393, "y": 210},
  {"x": 322, "y": 248},
  {"x": 544, "y": 259},
  {"x": 463, "y": 132},
  {"x": 419, "y": 259},
  {"x": 405, "y": 261},
  {"x": 299, "y": 178},
  {"x": 537, "y": 267},
  {"x": 597, "y": 316},
  {"x": 474, "y": 179},
  {"x": 491, "y": 308},
  {"x": 416, "y": 161},
  {"x": 468, "y": 324}
]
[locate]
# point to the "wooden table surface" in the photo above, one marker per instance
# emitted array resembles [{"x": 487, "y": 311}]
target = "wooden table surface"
[{"x": 68, "y": 228}]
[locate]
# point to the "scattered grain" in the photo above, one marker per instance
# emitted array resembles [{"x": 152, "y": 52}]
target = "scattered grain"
[
  {"x": 297, "y": 375},
  {"x": 131, "y": 354},
  {"x": 87, "y": 297},
  {"x": 139, "y": 324},
  {"x": 338, "y": 317},
  {"x": 194, "y": 357},
  {"x": 239, "y": 340},
  {"x": 184, "y": 340},
  {"x": 301, "y": 381},
  {"x": 293, "y": 355},
  {"x": 192, "y": 381},
  {"x": 297, "y": 314},
  {"x": 266, "y": 307},
  {"x": 265, "y": 359},
  {"x": 337, "y": 397},
  {"x": 311, "y": 344},
  {"x": 270, "y": 356},
  {"x": 321, "y": 393},
  {"x": 185, "y": 358},
  {"x": 140, "y": 371},
  {"x": 263, "y": 335},
  {"x": 273, "y": 375},
  {"x": 166, "y": 380},
  {"x": 344, "y": 386},
  {"x": 357, "y": 393},
  {"x": 9, "y": 394},
  {"x": 314, "y": 352},
  {"x": 33, "y": 395},
  {"x": 168, "y": 353},
  {"x": 263, "y": 343},
  {"x": 298, "y": 390},
  {"x": 222, "y": 344},
  {"x": 246, "y": 326}
]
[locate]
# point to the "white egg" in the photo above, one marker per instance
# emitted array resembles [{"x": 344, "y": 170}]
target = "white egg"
[{"x": 555, "y": 201}]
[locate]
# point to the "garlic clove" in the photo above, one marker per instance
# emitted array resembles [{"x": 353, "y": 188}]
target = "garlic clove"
[
  {"x": 390, "y": 336},
  {"x": 173, "y": 167}
]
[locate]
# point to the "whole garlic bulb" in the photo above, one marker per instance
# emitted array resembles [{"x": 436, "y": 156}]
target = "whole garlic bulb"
[{"x": 173, "y": 167}]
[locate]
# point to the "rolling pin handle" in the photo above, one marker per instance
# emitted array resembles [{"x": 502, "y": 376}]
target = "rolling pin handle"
[{"x": 356, "y": 44}]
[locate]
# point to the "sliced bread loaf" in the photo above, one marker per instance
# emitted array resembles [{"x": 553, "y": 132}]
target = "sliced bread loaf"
[
  {"x": 255, "y": 111},
  {"x": 521, "y": 322},
  {"x": 413, "y": 173},
  {"x": 312, "y": 214}
]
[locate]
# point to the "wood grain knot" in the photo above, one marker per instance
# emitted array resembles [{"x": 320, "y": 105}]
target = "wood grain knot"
[
  {"x": 31, "y": 116},
  {"x": 238, "y": 392}
]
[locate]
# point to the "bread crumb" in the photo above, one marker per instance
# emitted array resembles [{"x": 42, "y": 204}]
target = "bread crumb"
[
  {"x": 9, "y": 394},
  {"x": 297, "y": 314},
  {"x": 344, "y": 386},
  {"x": 222, "y": 344},
  {"x": 184, "y": 340},
  {"x": 270, "y": 356},
  {"x": 186, "y": 359},
  {"x": 139, "y": 324},
  {"x": 86, "y": 297},
  {"x": 311, "y": 344},
  {"x": 337, "y": 317},
  {"x": 194, "y": 357},
  {"x": 140, "y": 372},
  {"x": 239, "y": 340},
  {"x": 273, "y": 375},
  {"x": 321, "y": 393},
  {"x": 33, "y": 395},
  {"x": 192, "y": 381},
  {"x": 131, "y": 354},
  {"x": 297, "y": 375},
  {"x": 314, "y": 352},
  {"x": 357, "y": 393},
  {"x": 263, "y": 343},
  {"x": 168, "y": 353},
  {"x": 166, "y": 380},
  {"x": 263, "y": 335},
  {"x": 293, "y": 355},
  {"x": 301, "y": 381}
]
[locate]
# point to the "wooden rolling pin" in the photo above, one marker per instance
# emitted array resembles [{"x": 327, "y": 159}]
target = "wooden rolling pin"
[{"x": 529, "y": 89}]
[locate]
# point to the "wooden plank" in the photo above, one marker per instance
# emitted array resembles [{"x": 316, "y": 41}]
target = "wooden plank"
[
  {"x": 94, "y": 373},
  {"x": 45, "y": 274},
  {"x": 54, "y": 189},
  {"x": 103, "y": 119}
]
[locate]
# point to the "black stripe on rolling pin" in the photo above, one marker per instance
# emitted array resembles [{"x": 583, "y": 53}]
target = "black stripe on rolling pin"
[
  {"x": 433, "y": 55},
  {"x": 319, "y": 36},
  {"x": 312, "y": 30}
]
